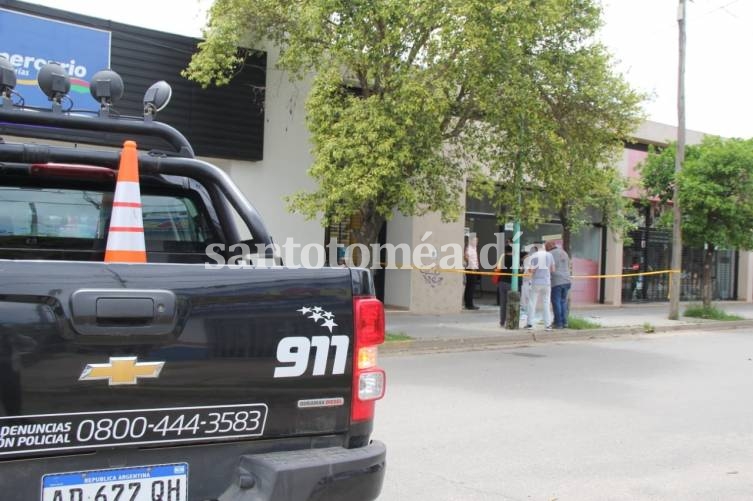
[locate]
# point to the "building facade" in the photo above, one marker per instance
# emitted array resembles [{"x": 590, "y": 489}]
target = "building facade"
[{"x": 255, "y": 130}]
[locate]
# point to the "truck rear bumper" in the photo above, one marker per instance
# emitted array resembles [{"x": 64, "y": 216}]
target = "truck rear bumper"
[
  {"x": 330, "y": 474},
  {"x": 316, "y": 469}
]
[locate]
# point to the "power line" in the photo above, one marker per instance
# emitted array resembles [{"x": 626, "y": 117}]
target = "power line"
[{"x": 724, "y": 8}]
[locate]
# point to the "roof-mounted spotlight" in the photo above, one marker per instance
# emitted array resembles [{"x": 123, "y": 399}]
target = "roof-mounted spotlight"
[
  {"x": 54, "y": 82},
  {"x": 156, "y": 98},
  {"x": 106, "y": 87},
  {"x": 7, "y": 82}
]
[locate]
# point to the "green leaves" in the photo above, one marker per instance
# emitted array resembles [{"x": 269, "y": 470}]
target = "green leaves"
[
  {"x": 385, "y": 149},
  {"x": 413, "y": 96},
  {"x": 715, "y": 187}
]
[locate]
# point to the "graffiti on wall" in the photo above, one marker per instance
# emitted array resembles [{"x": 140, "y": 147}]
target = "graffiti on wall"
[{"x": 432, "y": 276}]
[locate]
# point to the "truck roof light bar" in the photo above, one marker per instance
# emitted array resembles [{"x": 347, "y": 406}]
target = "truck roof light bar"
[
  {"x": 106, "y": 87},
  {"x": 156, "y": 99},
  {"x": 55, "y": 83}
]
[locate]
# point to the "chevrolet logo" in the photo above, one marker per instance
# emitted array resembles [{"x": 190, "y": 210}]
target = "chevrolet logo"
[{"x": 121, "y": 370}]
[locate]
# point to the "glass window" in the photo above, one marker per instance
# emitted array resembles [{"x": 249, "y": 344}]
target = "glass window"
[
  {"x": 49, "y": 213},
  {"x": 173, "y": 219},
  {"x": 70, "y": 218}
]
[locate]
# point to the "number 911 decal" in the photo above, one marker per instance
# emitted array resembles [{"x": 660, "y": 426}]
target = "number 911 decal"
[{"x": 295, "y": 351}]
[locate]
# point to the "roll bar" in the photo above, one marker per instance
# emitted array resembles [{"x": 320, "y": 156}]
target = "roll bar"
[
  {"x": 149, "y": 163},
  {"x": 32, "y": 120}
]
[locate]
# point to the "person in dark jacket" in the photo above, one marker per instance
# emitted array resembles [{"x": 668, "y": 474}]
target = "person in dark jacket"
[
  {"x": 471, "y": 266},
  {"x": 504, "y": 282},
  {"x": 560, "y": 284}
]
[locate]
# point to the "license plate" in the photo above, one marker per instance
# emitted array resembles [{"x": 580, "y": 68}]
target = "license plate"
[{"x": 164, "y": 482}]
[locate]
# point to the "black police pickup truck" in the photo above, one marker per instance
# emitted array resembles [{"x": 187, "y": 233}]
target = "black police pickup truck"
[{"x": 169, "y": 380}]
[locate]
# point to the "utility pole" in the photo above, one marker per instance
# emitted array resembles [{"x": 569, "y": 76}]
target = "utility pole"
[
  {"x": 513, "y": 295},
  {"x": 516, "y": 226},
  {"x": 674, "y": 291},
  {"x": 516, "y": 231}
]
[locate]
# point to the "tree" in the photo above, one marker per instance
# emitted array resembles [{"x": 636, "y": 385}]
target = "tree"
[
  {"x": 579, "y": 115},
  {"x": 716, "y": 194},
  {"x": 410, "y": 97},
  {"x": 591, "y": 118}
]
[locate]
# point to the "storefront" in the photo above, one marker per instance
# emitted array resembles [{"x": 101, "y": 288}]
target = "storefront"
[
  {"x": 650, "y": 249},
  {"x": 586, "y": 247}
]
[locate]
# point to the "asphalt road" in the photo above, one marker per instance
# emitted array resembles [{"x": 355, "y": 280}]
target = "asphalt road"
[{"x": 657, "y": 417}]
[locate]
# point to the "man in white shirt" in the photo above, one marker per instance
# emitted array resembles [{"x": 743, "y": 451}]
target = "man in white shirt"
[{"x": 540, "y": 268}]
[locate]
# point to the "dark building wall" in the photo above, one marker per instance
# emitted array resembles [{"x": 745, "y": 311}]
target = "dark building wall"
[{"x": 225, "y": 122}]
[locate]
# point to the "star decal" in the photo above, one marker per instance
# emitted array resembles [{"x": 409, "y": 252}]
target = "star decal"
[
  {"x": 329, "y": 323},
  {"x": 315, "y": 316},
  {"x": 317, "y": 313}
]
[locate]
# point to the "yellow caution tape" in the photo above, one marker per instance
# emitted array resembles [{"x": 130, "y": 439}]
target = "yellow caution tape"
[
  {"x": 498, "y": 273},
  {"x": 637, "y": 274}
]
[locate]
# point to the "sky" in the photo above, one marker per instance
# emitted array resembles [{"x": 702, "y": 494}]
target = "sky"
[{"x": 641, "y": 34}]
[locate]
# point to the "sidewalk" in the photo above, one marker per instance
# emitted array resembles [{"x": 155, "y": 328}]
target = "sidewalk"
[{"x": 480, "y": 328}]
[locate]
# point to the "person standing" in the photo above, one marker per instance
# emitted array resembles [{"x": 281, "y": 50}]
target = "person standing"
[
  {"x": 504, "y": 282},
  {"x": 540, "y": 268},
  {"x": 560, "y": 284},
  {"x": 471, "y": 265},
  {"x": 525, "y": 282}
]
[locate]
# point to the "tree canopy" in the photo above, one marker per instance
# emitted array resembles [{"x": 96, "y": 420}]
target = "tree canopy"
[
  {"x": 566, "y": 141},
  {"x": 715, "y": 189},
  {"x": 409, "y": 97}
]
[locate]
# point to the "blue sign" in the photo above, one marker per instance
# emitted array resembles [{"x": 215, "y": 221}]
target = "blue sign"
[{"x": 29, "y": 42}]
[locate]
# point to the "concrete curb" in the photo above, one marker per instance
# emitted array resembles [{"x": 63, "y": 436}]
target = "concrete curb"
[{"x": 524, "y": 338}]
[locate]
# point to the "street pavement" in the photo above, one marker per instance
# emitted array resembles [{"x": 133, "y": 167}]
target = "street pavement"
[
  {"x": 658, "y": 417},
  {"x": 480, "y": 329}
]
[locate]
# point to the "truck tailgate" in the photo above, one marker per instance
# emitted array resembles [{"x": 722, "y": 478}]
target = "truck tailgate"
[{"x": 96, "y": 355}]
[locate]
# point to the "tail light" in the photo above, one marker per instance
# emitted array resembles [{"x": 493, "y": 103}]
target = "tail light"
[
  {"x": 368, "y": 379},
  {"x": 73, "y": 171}
]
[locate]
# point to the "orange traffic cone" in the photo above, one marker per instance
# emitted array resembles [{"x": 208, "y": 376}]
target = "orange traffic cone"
[{"x": 125, "y": 241}]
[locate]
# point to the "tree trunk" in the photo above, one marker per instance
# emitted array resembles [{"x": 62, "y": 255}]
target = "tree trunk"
[
  {"x": 366, "y": 233},
  {"x": 706, "y": 287},
  {"x": 564, "y": 214},
  {"x": 513, "y": 310}
]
